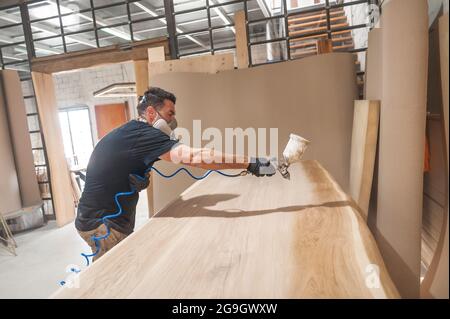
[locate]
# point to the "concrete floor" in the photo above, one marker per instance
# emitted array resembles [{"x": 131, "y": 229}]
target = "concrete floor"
[{"x": 43, "y": 255}]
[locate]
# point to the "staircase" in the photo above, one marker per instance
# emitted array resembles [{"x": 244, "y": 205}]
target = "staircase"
[{"x": 306, "y": 23}]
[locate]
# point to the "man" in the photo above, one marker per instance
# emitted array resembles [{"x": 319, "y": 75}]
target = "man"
[{"x": 130, "y": 150}]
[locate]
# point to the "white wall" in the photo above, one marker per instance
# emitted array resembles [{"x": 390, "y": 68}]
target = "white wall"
[{"x": 77, "y": 88}]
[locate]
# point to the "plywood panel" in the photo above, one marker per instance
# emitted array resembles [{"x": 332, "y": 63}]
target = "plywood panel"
[
  {"x": 288, "y": 96},
  {"x": 402, "y": 130},
  {"x": 293, "y": 239},
  {"x": 206, "y": 64},
  {"x": 364, "y": 145},
  {"x": 60, "y": 178},
  {"x": 9, "y": 185},
  {"x": 23, "y": 156},
  {"x": 241, "y": 40}
]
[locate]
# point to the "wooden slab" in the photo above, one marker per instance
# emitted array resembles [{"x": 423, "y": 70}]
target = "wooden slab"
[
  {"x": 364, "y": 146},
  {"x": 20, "y": 139},
  {"x": 203, "y": 64},
  {"x": 246, "y": 237},
  {"x": 59, "y": 172}
]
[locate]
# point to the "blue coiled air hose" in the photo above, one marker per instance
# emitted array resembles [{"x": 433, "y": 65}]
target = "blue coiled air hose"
[{"x": 119, "y": 207}]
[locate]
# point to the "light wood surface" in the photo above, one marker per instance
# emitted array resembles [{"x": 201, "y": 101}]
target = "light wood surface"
[
  {"x": 59, "y": 172},
  {"x": 204, "y": 64},
  {"x": 141, "y": 78},
  {"x": 246, "y": 237},
  {"x": 241, "y": 40},
  {"x": 97, "y": 57},
  {"x": 364, "y": 147}
]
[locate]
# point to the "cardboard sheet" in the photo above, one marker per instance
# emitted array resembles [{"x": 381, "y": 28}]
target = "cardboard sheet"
[
  {"x": 401, "y": 144},
  {"x": 312, "y": 97}
]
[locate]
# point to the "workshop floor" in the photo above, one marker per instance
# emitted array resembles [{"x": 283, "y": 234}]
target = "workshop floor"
[{"x": 42, "y": 257}]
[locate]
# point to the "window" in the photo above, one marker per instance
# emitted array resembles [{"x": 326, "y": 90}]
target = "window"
[{"x": 77, "y": 136}]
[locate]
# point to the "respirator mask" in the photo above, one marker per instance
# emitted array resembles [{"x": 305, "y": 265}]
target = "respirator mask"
[
  {"x": 164, "y": 126},
  {"x": 160, "y": 123}
]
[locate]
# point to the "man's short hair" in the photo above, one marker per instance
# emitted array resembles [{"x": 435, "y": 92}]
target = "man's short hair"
[{"x": 155, "y": 97}]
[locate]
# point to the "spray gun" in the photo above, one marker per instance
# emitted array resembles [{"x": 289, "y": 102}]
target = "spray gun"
[{"x": 292, "y": 153}]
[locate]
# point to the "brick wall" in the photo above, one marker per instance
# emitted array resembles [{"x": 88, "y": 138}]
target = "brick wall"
[{"x": 77, "y": 88}]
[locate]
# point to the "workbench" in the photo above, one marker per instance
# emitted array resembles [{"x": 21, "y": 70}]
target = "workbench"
[{"x": 246, "y": 237}]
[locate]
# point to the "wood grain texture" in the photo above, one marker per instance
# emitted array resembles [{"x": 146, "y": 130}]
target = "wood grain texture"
[
  {"x": 245, "y": 237},
  {"x": 59, "y": 172},
  {"x": 364, "y": 146}
]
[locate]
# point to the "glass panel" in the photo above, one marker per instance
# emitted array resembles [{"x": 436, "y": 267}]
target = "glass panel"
[
  {"x": 223, "y": 38},
  {"x": 48, "y": 47},
  {"x": 77, "y": 136},
  {"x": 42, "y": 10},
  {"x": 181, "y": 5},
  {"x": 30, "y": 106},
  {"x": 80, "y": 128},
  {"x": 48, "y": 207},
  {"x": 39, "y": 158},
  {"x": 12, "y": 34},
  {"x": 67, "y": 6},
  {"x": 193, "y": 42},
  {"x": 266, "y": 30},
  {"x": 12, "y": 55},
  {"x": 116, "y": 35},
  {"x": 77, "y": 22},
  {"x": 224, "y": 14},
  {"x": 111, "y": 15},
  {"x": 67, "y": 141},
  {"x": 255, "y": 11},
  {"x": 149, "y": 30},
  {"x": 146, "y": 8},
  {"x": 81, "y": 41},
  {"x": 36, "y": 140},
  {"x": 270, "y": 52},
  {"x": 27, "y": 88},
  {"x": 33, "y": 123},
  {"x": 191, "y": 21},
  {"x": 11, "y": 16}
]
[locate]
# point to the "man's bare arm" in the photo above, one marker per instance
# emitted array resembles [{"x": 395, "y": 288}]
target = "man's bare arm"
[{"x": 205, "y": 158}]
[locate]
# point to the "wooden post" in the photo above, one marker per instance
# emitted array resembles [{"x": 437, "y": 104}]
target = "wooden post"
[
  {"x": 324, "y": 46},
  {"x": 241, "y": 40},
  {"x": 64, "y": 206},
  {"x": 142, "y": 83}
]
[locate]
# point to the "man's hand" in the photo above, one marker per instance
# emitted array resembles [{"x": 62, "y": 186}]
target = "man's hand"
[
  {"x": 261, "y": 167},
  {"x": 138, "y": 183}
]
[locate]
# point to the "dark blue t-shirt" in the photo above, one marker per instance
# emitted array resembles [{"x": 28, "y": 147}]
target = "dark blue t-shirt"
[{"x": 129, "y": 149}]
